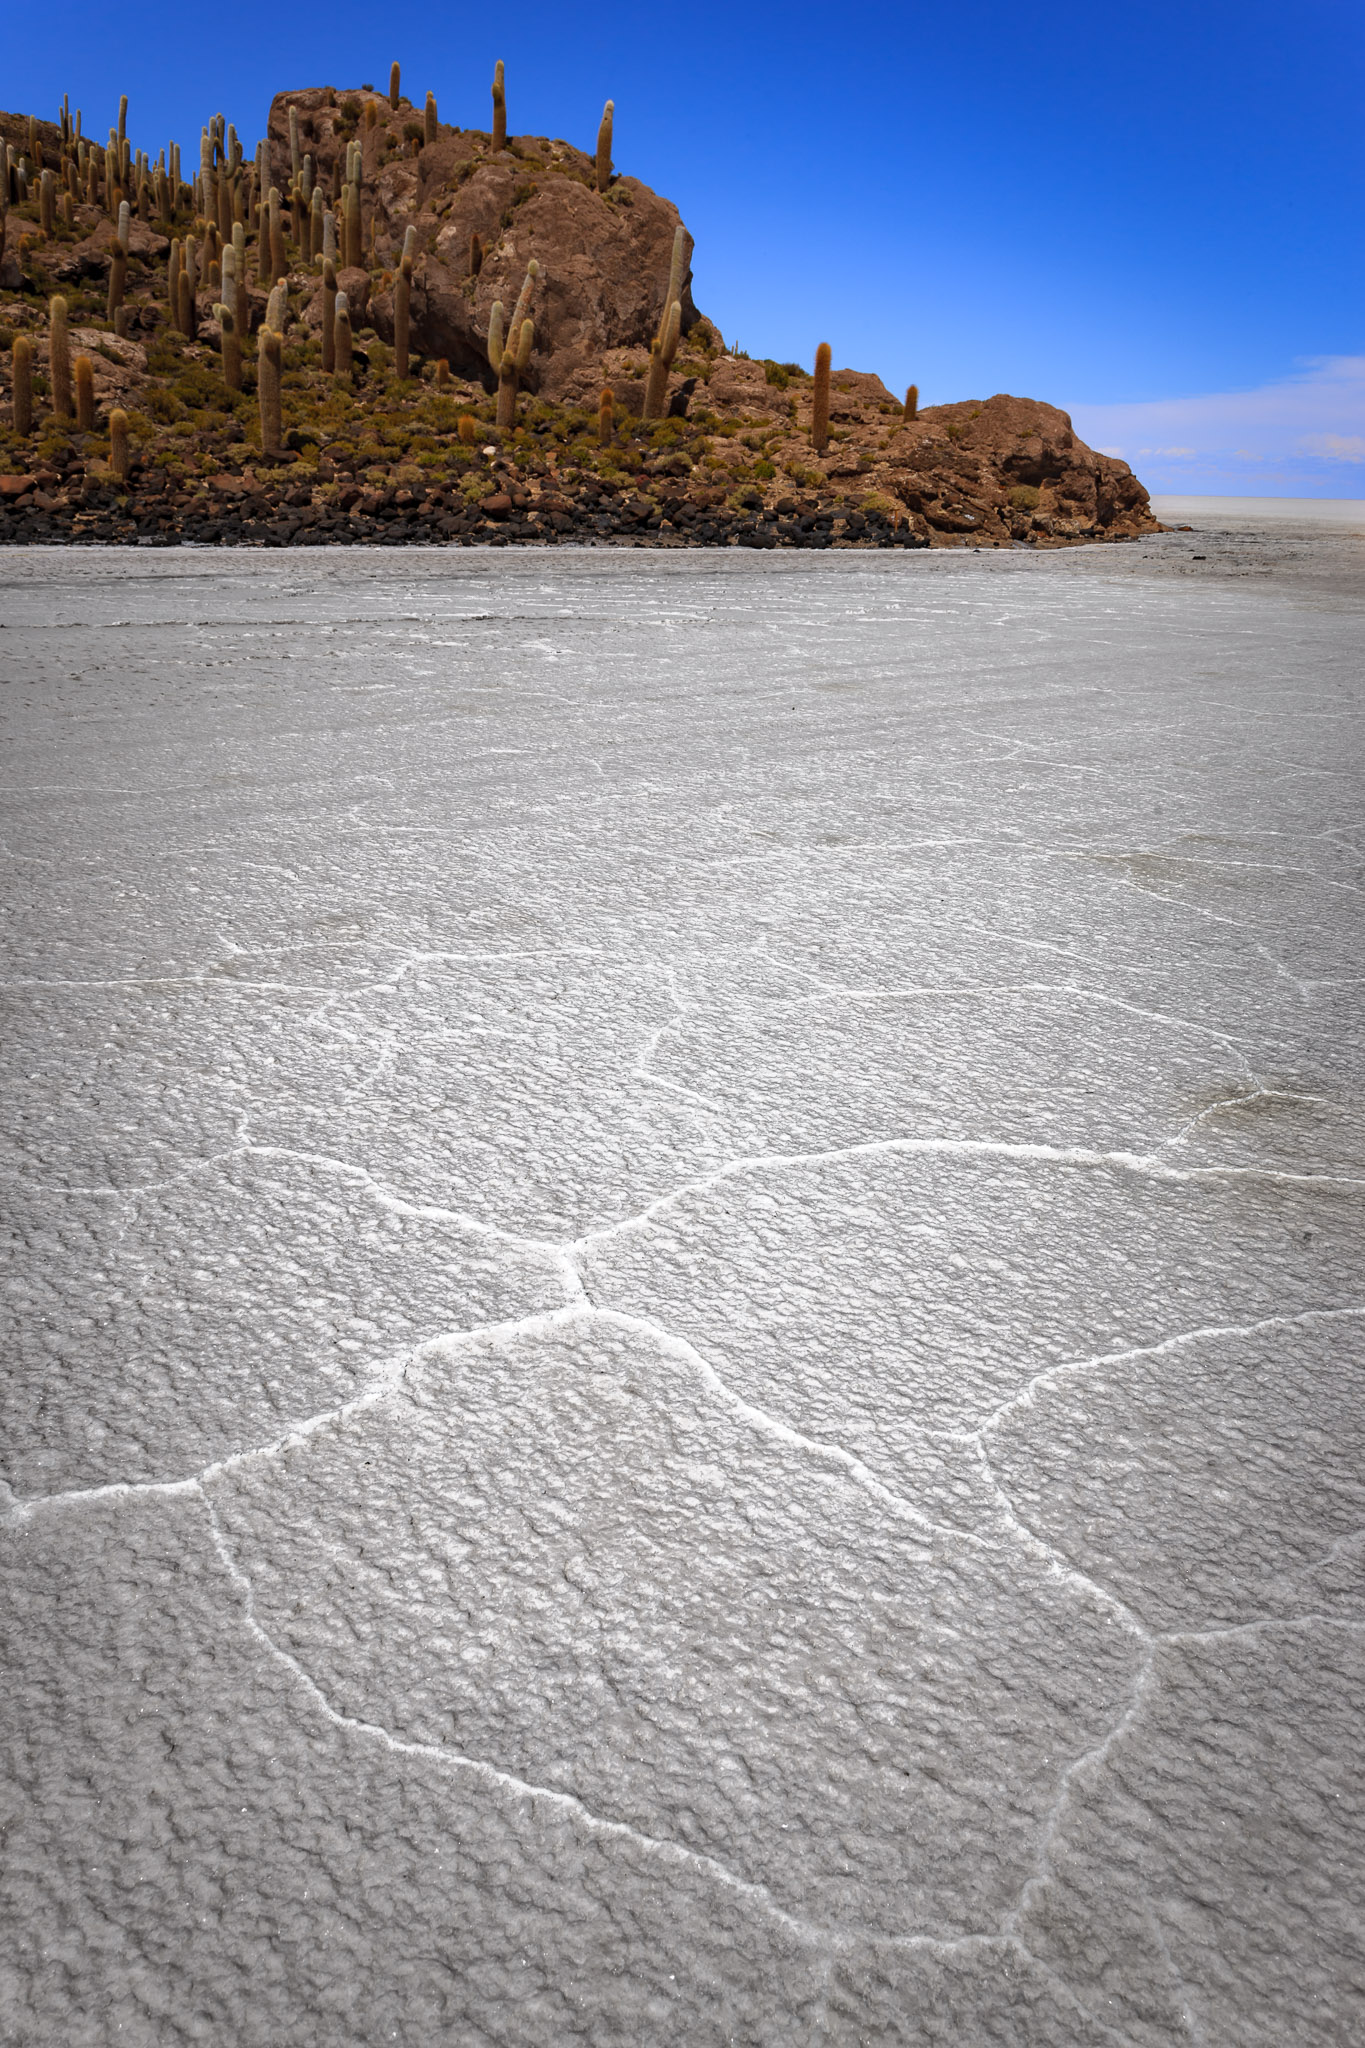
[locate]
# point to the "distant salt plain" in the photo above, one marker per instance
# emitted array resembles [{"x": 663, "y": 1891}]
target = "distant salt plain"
[{"x": 685, "y": 1332}]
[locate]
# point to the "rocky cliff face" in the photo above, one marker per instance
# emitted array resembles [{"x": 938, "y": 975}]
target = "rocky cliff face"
[{"x": 604, "y": 257}]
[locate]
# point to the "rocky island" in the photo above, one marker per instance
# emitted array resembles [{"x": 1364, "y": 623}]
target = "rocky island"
[{"x": 381, "y": 327}]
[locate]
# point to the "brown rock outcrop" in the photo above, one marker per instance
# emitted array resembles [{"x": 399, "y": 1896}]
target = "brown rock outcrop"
[{"x": 604, "y": 257}]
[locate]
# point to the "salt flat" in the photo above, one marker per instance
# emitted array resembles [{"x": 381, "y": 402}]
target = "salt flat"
[{"x": 686, "y": 1315}]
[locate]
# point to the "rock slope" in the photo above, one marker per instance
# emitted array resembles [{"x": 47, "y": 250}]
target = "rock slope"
[{"x": 377, "y": 455}]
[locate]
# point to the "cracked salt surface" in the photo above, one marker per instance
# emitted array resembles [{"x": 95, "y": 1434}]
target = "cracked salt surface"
[{"x": 686, "y": 1322}]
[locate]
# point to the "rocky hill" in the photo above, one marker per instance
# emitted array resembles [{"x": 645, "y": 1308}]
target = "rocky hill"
[{"x": 434, "y": 233}]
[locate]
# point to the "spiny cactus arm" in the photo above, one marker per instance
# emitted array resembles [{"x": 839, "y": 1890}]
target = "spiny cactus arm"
[
  {"x": 429, "y": 119},
  {"x": 604, "y": 146},
  {"x": 522, "y": 306},
  {"x": 394, "y": 76},
  {"x": 683, "y": 246},
  {"x": 495, "y": 336},
  {"x": 606, "y": 407},
  {"x": 912, "y": 403},
  {"x": 526, "y": 341},
  {"x": 409, "y": 251}
]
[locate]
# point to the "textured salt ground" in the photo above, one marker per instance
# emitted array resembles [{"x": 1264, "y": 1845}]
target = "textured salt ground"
[{"x": 685, "y": 1326}]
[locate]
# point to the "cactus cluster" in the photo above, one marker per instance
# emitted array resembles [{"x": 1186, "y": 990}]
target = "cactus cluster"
[{"x": 243, "y": 225}]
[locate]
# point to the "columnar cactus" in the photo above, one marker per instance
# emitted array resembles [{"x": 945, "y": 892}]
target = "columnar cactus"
[
  {"x": 21, "y": 359},
  {"x": 184, "y": 305},
  {"x": 343, "y": 337},
  {"x": 429, "y": 119},
  {"x": 268, "y": 355},
  {"x": 475, "y": 254},
  {"x": 315, "y": 226},
  {"x": 278, "y": 265},
  {"x": 514, "y": 361},
  {"x": 120, "y": 460},
  {"x": 173, "y": 282},
  {"x": 402, "y": 303},
  {"x": 232, "y": 348},
  {"x": 59, "y": 358},
  {"x": 499, "y": 108},
  {"x": 47, "y": 203},
  {"x": 85, "y": 395},
  {"x": 118, "y": 280},
  {"x": 393, "y": 87},
  {"x": 352, "y": 251},
  {"x": 295, "y": 166},
  {"x": 604, "y": 147},
  {"x": 662, "y": 350},
  {"x": 242, "y": 308},
  {"x": 606, "y": 408},
  {"x": 495, "y": 336},
  {"x": 329, "y": 315},
  {"x": 819, "y": 410},
  {"x": 912, "y": 403}
]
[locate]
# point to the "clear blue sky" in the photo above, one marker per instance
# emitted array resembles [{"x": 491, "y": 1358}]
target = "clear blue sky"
[{"x": 1108, "y": 207}]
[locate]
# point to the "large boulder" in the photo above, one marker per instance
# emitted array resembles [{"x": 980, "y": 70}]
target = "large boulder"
[{"x": 604, "y": 257}]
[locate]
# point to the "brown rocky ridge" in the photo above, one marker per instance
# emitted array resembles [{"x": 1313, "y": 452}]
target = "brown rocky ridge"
[{"x": 437, "y": 231}]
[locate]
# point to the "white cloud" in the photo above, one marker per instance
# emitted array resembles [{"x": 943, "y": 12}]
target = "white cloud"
[
  {"x": 1335, "y": 447},
  {"x": 1292, "y": 435}
]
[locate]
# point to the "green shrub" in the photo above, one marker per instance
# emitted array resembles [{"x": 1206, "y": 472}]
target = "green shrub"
[{"x": 1024, "y": 498}]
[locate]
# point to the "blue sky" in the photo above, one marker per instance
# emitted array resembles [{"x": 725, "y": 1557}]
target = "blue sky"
[{"x": 1153, "y": 216}]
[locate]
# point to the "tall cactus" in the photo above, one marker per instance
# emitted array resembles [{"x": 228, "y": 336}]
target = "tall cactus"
[
  {"x": 232, "y": 347},
  {"x": 499, "y": 108},
  {"x": 606, "y": 408},
  {"x": 662, "y": 350},
  {"x": 329, "y": 316},
  {"x": 495, "y": 336},
  {"x": 118, "y": 280},
  {"x": 393, "y": 87},
  {"x": 912, "y": 403},
  {"x": 402, "y": 303},
  {"x": 242, "y": 307},
  {"x": 295, "y": 164},
  {"x": 351, "y": 250},
  {"x": 819, "y": 409},
  {"x": 475, "y": 253},
  {"x": 268, "y": 356},
  {"x": 120, "y": 459},
  {"x": 278, "y": 265},
  {"x": 343, "y": 337},
  {"x": 315, "y": 229},
  {"x": 21, "y": 393},
  {"x": 514, "y": 361},
  {"x": 429, "y": 119},
  {"x": 47, "y": 203},
  {"x": 59, "y": 358},
  {"x": 85, "y": 395},
  {"x": 173, "y": 282},
  {"x": 604, "y": 147}
]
